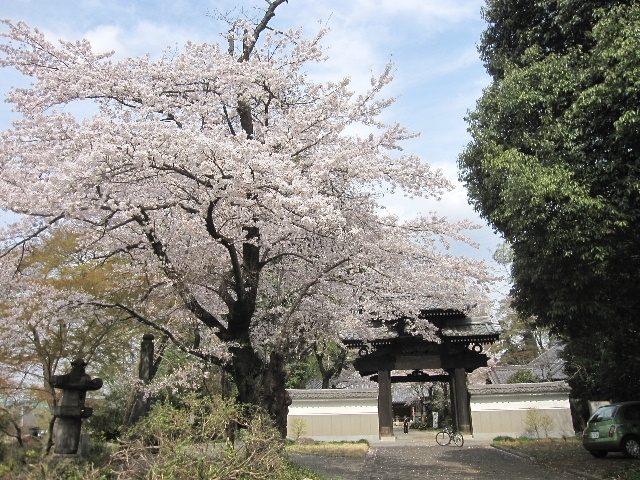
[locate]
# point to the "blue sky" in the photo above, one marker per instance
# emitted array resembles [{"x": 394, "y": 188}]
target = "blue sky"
[{"x": 432, "y": 43}]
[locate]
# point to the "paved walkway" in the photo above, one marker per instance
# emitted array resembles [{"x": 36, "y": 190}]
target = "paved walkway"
[{"x": 417, "y": 456}]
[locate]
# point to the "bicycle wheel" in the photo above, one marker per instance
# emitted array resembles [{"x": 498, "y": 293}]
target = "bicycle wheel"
[
  {"x": 443, "y": 438},
  {"x": 458, "y": 439}
]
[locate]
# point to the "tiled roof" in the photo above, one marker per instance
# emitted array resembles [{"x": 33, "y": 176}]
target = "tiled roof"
[
  {"x": 334, "y": 393},
  {"x": 400, "y": 392},
  {"x": 530, "y": 388},
  {"x": 473, "y": 329},
  {"x": 547, "y": 366},
  {"x": 453, "y": 326},
  {"x": 502, "y": 373}
]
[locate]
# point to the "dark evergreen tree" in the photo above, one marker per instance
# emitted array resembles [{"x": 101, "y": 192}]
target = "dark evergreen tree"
[{"x": 554, "y": 166}]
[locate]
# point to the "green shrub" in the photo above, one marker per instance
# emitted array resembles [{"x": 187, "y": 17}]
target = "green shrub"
[
  {"x": 67, "y": 469},
  {"x": 190, "y": 438},
  {"x": 293, "y": 471},
  {"x": 537, "y": 422},
  {"x": 524, "y": 375},
  {"x": 108, "y": 413},
  {"x": 298, "y": 428},
  {"x": 100, "y": 451},
  {"x": 195, "y": 439},
  {"x": 15, "y": 458}
]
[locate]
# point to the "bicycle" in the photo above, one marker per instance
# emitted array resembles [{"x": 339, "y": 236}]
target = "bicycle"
[{"x": 447, "y": 434}]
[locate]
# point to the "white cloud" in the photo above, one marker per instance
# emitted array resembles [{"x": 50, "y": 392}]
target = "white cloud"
[
  {"x": 460, "y": 60},
  {"x": 139, "y": 39},
  {"x": 106, "y": 38},
  {"x": 430, "y": 12}
]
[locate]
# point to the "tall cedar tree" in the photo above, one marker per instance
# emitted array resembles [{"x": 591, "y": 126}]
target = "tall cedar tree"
[{"x": 554, "y": 166}]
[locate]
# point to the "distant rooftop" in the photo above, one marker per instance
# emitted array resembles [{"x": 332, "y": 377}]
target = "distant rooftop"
[
  {"x": 400, "y": 392},
  {"x": 548, "y": 366}
]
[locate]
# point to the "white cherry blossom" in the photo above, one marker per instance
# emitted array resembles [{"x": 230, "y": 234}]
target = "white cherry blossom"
[{"x": 231, "y": 178}]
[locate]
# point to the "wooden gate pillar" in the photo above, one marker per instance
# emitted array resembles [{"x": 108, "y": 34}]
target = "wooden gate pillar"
[
  {"x": 385, "y": 405},
  {"x": 460, "y": 400}
]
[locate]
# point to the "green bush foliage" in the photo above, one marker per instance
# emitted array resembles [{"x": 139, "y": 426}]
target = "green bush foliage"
[
  {"x": 13, "y": 457},
  {"x": 421, "y": 426},
  {"x": 524, "y": 375},
  {"x": 204, "y": 438},
  {"x": 190, "y": 437},
  {"x": 537, "y": 422},
  {"x": 68, "y": 469},
  {"x": 298, "y": 428},
  {"x": 108, "y": 413}
]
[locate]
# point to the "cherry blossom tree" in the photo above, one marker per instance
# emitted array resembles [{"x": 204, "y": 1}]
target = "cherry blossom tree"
[
  {"x": 239, "y": 184},
  {"x": 48, "y": 318}
]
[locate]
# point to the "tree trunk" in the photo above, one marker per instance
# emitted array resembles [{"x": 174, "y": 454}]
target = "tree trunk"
[
  {"x": 16, "y": 426},
  {"x": 331, "y": 371},
  {"x": 48, "y": 444},
  {"x": 52, "y": 402},
  {"x": 262, "y": 384},
  {"x": 139, "y": 404},
  {"x": 274, "y": 396}
]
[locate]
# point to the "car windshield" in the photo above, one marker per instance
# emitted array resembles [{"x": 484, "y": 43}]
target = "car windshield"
[{"x": 603, "y": 414}]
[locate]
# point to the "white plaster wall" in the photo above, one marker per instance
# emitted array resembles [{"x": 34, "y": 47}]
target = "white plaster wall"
[
  {"x": 519, "y": 402},
  {"x": 333, "y": 407},
  {"x": 334, "y": 419},
  {"x": 505, "y": 413}
]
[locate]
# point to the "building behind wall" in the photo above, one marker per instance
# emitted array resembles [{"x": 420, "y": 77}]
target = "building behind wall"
[{"x": 548, "y": 367}]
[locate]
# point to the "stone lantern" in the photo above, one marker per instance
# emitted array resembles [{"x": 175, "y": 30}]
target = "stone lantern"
[{"x": 71, "y": 411}]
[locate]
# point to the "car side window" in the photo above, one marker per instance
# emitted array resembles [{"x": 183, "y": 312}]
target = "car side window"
[
  {"x": 632, "y": 413},
  {"x": 603, "y": 414}
]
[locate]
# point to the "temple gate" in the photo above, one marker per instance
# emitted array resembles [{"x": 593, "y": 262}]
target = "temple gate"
[{"x": 458, "y": 352}]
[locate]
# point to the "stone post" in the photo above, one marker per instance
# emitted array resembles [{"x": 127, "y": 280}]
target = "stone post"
[
  {"x": 71, "y": 411},
  {"x": 140, "y": 404}
]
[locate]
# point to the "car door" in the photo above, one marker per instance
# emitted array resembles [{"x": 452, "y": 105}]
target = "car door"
[
  {"x": 600, "y": 423},
  {"x": 631, "y": 419}
]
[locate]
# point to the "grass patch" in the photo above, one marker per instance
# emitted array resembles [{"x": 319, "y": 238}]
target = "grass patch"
[
  {"x": 294, "y": 471},
  {"x": 568, "y": 454},
  {"x": 331, "y": 449},
  {"x": 545, "y": 448}
]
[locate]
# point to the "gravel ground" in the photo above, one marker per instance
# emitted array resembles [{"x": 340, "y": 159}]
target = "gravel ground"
[
  {"x": 413, "y": 462},
  {"x": 417, "y": 456}
]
